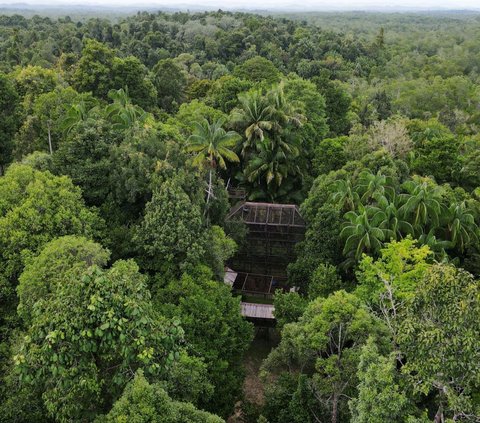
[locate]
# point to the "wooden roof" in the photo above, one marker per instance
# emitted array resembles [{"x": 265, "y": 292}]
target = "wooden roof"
[{"x": 258, "y": 311}]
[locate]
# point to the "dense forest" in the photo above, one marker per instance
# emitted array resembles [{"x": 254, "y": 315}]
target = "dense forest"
[{"x": 119, "y": 143}]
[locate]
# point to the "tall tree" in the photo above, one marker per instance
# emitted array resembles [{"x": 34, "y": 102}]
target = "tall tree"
[
  {"x": 35, "y": 208},
  {"x": 93, "y": 70},
  {"x": 170, "y": 81},
  {"x": 387, "y": 283},
  {"x": 122, "y": 113},
  {"x": 214, "y": 330},
  {"x": 170, "y": 237},
  {"x": 421, "y": 204},
  {"x": 88, "y": 339},
  {"x": 323, "y": 348},
  {"x": 462, "y": 229},
  {"x": 9, "y": 119},
  {"x": 439, "y": 336},
  {"x": 380, "y": 398},
  {"x": 363, "y": 232},
  {"x": 213, "y": 146},
  {"x": 59, "y": 258},
  {"x": 142, "y": 402},
  {"x": 254, "y": 117}
]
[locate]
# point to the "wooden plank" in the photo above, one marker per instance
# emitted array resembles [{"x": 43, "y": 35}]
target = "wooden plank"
[{"x": 257, "y": 311}]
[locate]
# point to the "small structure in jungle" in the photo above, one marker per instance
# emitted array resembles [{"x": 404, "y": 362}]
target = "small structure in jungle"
[{"x": 260, "y": 265}]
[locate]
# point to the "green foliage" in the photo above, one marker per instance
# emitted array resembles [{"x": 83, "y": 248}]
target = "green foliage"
[
  {"x": 386, "y": 283},
  {"x": 324, "y": 281},
  {"x": 8, "y": 119},
  {"x": 44, "y": 274},
  {"x": 188, "y": 379},
  {"x": 329, "y": 155},
  {"x": 469, "y": 161},
  {"x": 135, "y": 164},
  {"x": 214, "y": 330},
  {"x": 84, "y": 156},
  {"x": 32, "y": 81},
  {"x": 363, "y": 232},
  {"x": 42, "y": 130},
  {"x": 439, "y": 336},
  {"x": 85, "y": 340},
  {"x": 253, "y": 116},
  {"x": 93, "y": 70},
  {"x": 104, "y": 102},
  {"x": 78, "y": 114},
  {"x": 289, "y": 307},
  {"x": 224, "y": 92},
  {"x": 170, "y": 237},
  {"x": 312, "y": 104},
  {"x": 132, "y": 75},
  {"x": 270, "y": 146},
  {"x": 289, "y": 400},
  {"x": 39, "y": 161},
  {"x": 220, "y": 249},
  {"x": 142, "y": 402},
  {"x": 321, "y": 245},
  {"x": 36, "y": 207},
  {"x": 380, "y": 398},
  {"x": 258, "y": 69},
  {"x": 379, "y": 209},
  {"x": 325, "y": 346},
  {"x": 170, "y": 81},
  {"x": 212, "y": 144},
  {"x": 434, "y": 144},
  {"x": 337, "y": 105},
  {"x": 196, "y": 111}
]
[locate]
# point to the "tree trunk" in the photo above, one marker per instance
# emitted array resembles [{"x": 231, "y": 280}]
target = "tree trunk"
[
  {"x": 335, "y": 408},
  {"x": 209, "y": 193},
  {"x": 49, "y": 138},
  {"x": 439, "y": 418}
]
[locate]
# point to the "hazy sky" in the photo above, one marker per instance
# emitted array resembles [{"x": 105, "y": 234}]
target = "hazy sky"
[{"x": 274, "y": 4}]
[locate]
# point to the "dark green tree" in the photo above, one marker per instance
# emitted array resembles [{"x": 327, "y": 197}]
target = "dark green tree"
[
  {"x": 258, "y": 69},
  {"x": 93, "y": 72},
  {"x": 88, "y": 339},
  {"x": 207, "y": 309},
  {"x": 9, "y": 120},
  {"x": 438, "y": 335},
  {"x": 142, "y": 402},
  {"x": 45, "y": 273},
  {"x": 170, "y": 237},
  {"x": 170, "y": 81}
]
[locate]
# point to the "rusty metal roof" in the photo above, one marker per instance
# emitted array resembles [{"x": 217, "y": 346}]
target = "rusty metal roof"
[{"x": 270, "y": 214}]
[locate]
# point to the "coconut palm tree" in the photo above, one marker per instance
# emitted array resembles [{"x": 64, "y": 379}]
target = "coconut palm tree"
[
  {"x": 254, "y": 116},
  {"x": 122, "y": 113},
  {"x": 421, "y": 204},
  {"x": 363, "y": 232},
  {"x": 76, "y": 115},
  {"x": 394, "y": 222},
  {"x": 267, "y": 116},
  {"x": 376, "y": 187},
  {"x": 213, "y": 147},
  {"x": 345, "y": 195},
  {"x": 461, "y": 226},
  {"x": 438, "y": 246},
  {"x": 284, "y": 112},
  {"x": 270, "y": 165}
]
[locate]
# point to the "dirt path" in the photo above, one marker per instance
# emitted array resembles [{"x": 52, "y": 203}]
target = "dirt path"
[{"x": 258, "y": 351}]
